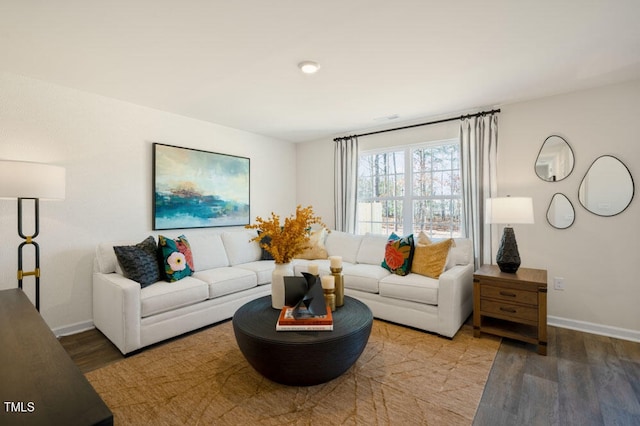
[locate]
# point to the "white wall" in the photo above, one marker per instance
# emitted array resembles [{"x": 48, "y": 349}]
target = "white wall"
[
  {"x": 315, "y": 178},
  {"x": 106, "y": 147},
  {"x": 597, "y": 255}
]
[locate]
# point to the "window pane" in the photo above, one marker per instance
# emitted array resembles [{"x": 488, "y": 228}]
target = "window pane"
[
  {"x": 438, "y": 218},
  {"x": 381, "y": 175},
  {"x": 392, "y": 216},
  {"x": 433, "y": 203},
  {"x": 422, "y": 185},
  {"x": 370, "y": 217}
]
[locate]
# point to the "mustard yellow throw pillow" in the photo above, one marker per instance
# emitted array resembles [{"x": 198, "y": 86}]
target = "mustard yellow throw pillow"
[{"x": 430, "y": 259}]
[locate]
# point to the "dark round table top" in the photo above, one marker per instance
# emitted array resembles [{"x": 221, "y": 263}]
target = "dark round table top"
[{"x": 301, "y": 357}]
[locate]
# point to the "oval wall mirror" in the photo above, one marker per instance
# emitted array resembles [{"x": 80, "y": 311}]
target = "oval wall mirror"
[
  {"x": 607, "y": 188},
  {"x": 560, "y": 213},
  {"x": 555, "y": 159}
]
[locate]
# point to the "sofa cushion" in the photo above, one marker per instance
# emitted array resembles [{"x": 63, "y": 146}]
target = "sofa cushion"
[
  {"x": 461, "y": 252},
  {"x": 164, "y": 296},
  {"x": 316, "y": 249},
  {"x": 226, "y": 280},
  {"x": 430, "y": 259},
  {"x": 364, "y": 277},
  {"x": 240, "y": 248},
  {"x": 140, "y": 262},
  {"x": 262, "y": 268},
  {"x": 208, "y": 251},
  {"x": 412, "y": 287},
  {"x": 398, "y": 254},
  {"x": 371, "y": 249},
  {"x": 343, "y": 244},
  {"x": 176, "y": 257}
]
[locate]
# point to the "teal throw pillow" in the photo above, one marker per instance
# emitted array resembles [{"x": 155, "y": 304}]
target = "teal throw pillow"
[
  {"x": 398, "y": 254},
  {"x": 176, "y": 257}
]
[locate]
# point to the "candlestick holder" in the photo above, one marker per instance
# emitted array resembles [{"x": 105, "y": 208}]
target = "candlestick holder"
[
  {"x": 330, "y": 298},
  {"x": 339, "y": 285}
]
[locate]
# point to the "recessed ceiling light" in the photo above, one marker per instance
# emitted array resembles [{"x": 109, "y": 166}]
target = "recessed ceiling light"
[{"x": 309, "y": 67}]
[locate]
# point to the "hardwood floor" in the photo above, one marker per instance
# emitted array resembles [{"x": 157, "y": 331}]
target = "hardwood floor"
[
  {"x": 585, "y": 379},
  {"x": 90, "y": 350}
]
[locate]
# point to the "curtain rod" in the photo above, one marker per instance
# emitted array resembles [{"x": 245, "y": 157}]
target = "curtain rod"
[{"x": 444, "y": 120}]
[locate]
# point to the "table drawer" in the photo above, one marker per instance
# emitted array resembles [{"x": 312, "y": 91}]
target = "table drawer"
[
  {"x": 512, "y": 311},
  {"x": 509, "y": 294}
]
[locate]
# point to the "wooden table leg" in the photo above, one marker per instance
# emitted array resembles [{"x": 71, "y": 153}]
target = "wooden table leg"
[{"x": 476, "y": 308}]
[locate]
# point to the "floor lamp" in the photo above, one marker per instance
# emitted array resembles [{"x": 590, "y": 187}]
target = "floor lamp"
[
  {"x": 508, "y": 210},
  {"x": 35, "y": 182}
]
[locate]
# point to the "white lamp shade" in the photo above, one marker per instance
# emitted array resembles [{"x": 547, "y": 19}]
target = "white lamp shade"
[
  {"x": 19, "y": 179},
  {"x": 509, "y": 210}
]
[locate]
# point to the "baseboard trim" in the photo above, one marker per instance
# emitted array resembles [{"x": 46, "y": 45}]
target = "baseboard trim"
[
  {"x": 78, "y": 327},
  {"x": 589, "y": 327}
]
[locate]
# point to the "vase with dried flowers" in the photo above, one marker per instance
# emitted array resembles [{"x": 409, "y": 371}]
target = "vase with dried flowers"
[{"x": 284, "y": 241}]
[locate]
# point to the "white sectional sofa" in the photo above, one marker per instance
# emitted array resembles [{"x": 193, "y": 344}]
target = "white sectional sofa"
[
  {"x": 437, "y": 305},
  {"x": 228, "y": 273}
]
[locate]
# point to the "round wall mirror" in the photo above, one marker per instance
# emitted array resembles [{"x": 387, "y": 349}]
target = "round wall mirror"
[
  {"x": 607, "y": 188},
  {"x": 555, "y": 159},
  {"x": 560, "y": 213}
]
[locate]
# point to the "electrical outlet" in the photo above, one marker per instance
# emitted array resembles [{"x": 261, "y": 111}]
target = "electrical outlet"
[{"x": 558, "y": 283}]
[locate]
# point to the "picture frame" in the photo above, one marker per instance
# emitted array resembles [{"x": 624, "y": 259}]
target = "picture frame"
[{"x": 193, "y": 188}]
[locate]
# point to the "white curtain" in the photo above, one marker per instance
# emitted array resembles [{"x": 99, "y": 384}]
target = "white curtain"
[
  {"x": 345, "y": 183},
  {"x": 478, "y": 147}
]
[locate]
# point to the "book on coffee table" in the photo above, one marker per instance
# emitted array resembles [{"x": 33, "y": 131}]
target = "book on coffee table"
[{"x": 304, "y": 321}]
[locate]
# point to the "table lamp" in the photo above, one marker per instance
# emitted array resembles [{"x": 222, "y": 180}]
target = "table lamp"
[
  {"x": 508, "y": 210},
  {"x": 31, "y": 181}
]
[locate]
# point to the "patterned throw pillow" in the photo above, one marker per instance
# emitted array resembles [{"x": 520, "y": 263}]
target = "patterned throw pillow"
[
  {"x": 316, "y": 249},
  {"x": 140, "y": 262},
  {"x": 176, "y": 256},
  {"x": 398, "y": 254},
  {"x": 430, "y": 259}
]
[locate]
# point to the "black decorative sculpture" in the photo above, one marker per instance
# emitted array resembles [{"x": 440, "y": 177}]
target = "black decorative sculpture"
[{"x": 305, "y": 295}]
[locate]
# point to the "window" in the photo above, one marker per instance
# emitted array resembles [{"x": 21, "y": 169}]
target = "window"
[{"x": 409, "y": 189}]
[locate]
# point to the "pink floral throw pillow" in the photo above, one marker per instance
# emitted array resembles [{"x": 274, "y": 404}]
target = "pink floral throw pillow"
[
  {"x": 177, "y": 257},
  {"x": 398, "y": 254}
]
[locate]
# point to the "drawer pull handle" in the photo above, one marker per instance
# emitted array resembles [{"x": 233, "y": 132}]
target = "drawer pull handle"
[
  {"x": 511, "y": 310},
  {"x": 505, "y": 293}
]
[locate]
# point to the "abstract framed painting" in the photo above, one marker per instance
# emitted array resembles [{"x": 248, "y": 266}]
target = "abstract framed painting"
[{"x": 198, "y": 189}]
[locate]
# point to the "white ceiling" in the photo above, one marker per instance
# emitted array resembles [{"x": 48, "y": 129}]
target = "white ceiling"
[{"x": 235, "y": 62}]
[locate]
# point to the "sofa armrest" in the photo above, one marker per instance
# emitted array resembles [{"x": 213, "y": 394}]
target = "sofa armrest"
[
  {"x": 455, "y": 298},
  {"x": 116, "y": 310}
]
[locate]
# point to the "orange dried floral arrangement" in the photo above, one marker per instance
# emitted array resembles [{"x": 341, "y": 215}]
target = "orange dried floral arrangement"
[{"x": 288, "y": 239}]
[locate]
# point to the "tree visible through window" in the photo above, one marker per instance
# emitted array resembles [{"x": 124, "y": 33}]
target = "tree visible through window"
[{"x": 409, "y": 189}]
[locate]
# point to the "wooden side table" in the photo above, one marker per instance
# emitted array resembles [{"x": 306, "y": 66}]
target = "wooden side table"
[{"x": 511, "y": 305}]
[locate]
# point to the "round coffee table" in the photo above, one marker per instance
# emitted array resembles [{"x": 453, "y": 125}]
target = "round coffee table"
[{"x": 301, "y": 358}]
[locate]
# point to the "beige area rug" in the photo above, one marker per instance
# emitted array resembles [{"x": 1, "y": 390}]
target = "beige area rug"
[{"x": 404, "y": 377}]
